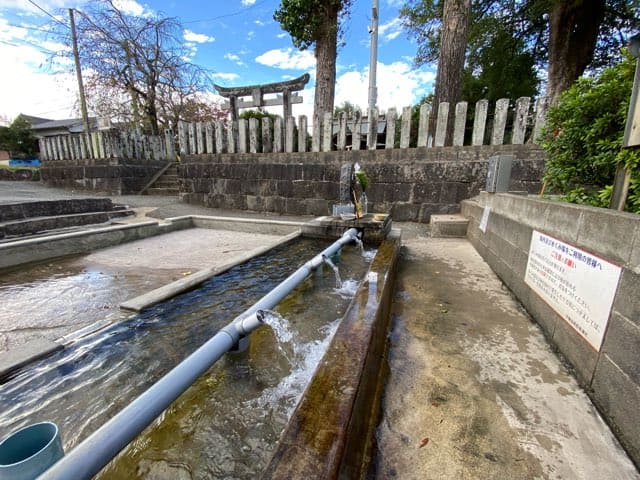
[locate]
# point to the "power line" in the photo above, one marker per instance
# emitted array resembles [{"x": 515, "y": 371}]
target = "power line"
[
  {"x": 35, "y": 29},
  {"x": 32, "y": 45},
  {"x": 233, "y": 14},
  {"x": 47, "y": 13}
]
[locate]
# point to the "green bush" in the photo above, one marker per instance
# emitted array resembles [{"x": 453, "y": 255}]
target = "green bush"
[{"x": 583, "y": 139}]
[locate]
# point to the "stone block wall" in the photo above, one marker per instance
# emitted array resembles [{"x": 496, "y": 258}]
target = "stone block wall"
[
  {"x": 114, "y": 176},
  {"x": 410, "y": 184},
  {"x": 610, "y": 376}
]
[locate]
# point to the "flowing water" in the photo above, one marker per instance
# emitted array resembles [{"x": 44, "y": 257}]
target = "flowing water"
[{"x": 228, "y": 422}]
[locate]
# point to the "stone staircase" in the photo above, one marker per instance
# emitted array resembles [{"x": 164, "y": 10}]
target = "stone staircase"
[
  {"x": 25, "y": 219},
  {"x": 166, "y": 184}
]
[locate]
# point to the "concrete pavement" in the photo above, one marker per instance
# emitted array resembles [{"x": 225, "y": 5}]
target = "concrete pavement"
[{"x": 474, "y": 391}]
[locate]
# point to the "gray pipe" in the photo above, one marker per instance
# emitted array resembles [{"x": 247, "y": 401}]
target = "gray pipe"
[{"x": 90, "y": 456}]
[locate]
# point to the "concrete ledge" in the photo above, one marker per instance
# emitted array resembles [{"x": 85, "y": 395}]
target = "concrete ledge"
[
  {"x": 47, "y": 208},
  {"x": 375, "y": 227},
  {"x": 165, "y": 292},
  {"x": 27, "y": 353},
  {"x": 330, "y": 434},
  {"x": 449, "y": 226},
  {"x": 52, "y": 246}
]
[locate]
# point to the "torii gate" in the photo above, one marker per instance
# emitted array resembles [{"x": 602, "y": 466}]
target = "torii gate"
[{"x": 285, "y": 89}]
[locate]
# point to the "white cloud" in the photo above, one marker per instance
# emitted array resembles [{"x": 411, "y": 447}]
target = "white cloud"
[
  {"x": 190, "y": 36},
  {"x": 390, "y": 30},
  {"x": 235, "y": 59},
  {"x": 399, "y": 85},
  {"x": 288, "y": 58},
  {"x": 28, "y": 90},
  {"x": 247, "y": 2},
  {"x": 130, "y": 7},
  {"x": 282, "y": 35},
  {"x": 228, "y": 77}
]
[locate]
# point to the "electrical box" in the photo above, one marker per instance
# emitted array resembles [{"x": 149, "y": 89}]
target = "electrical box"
[{"x": 499, "y": 174}]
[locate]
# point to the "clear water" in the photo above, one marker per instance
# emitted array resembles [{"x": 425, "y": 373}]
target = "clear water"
[{"x": 228, "y": 422}]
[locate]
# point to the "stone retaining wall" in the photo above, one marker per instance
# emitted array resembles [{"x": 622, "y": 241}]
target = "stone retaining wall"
[
  {"x": 610, "y": 376},
  {"x": 114, "y": 176},
  {"x": 410, "y": 184}
]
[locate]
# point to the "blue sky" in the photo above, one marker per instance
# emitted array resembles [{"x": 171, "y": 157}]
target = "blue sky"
[{"x": 237, "y": 40}]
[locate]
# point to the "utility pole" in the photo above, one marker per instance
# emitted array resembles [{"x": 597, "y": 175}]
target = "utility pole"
[
  {"x": 373, "y": 58},
  {"x": 76, "y": 56}
]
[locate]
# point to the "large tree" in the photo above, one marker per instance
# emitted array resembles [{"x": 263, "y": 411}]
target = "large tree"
[
  {"x": 316, "y": 23},
  {"x": 453, "y": 44},
  {"x": 136, "y": 67},
  {"x": 573, "y": 34},
  {"x": 563, "y": 37}
]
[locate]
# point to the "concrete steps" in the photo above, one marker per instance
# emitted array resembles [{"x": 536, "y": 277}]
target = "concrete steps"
[
  {"x": 167, "y": 184},
  {"x": 449, "y": 226},
  {"x": 32, "y": 218}
]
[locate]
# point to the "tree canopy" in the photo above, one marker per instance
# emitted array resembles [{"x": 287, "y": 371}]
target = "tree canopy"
[
  {"x": 18, "y": 139},
  {"x": 318, "y": 24},
  {"x": 511, "y": 40},
  {"x": 138, "y": 69}
]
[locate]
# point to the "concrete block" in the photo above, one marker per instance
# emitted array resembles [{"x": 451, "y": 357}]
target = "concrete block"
[
  {"x": 618, "y": 397},
  {"x": 608, "y": 232},
  {"x": 449, "y": 226},
  {"x": 27, "y": 353},
  {"x": 634, "y": 260},
  {"x": 527, "y": 210},
  {"x": 622, "y": 344},
  {"x": 426, "y": 193},
  {"x": 627, "y": 300},
  {"x": 405, "y": 212},
  {"x": 454, "y": 192},
  {"x": 577, "y": 351},
  {"x": 542, "y": 313}
]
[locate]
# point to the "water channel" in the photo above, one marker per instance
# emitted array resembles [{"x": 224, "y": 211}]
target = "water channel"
[{"x": 225, "y": 425}]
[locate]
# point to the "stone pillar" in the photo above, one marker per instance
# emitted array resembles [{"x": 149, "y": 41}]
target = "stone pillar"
[
  {"x": 480, "y": 122},
  {"x": 500, "y": 121},
  {"x": 405, "y": 132},
  {"x": 390, "y": 138},
  {"x": 459, "y": 123}
]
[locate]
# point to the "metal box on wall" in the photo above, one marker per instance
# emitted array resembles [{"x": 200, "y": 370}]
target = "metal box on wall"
[{"x": 499, "y": 174}]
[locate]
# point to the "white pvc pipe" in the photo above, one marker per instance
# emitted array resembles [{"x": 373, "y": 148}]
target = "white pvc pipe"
[{"x": 90, "y": 456}]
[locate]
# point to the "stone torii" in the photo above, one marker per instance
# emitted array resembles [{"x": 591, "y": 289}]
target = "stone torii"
[{"x": 285, "y": 89}]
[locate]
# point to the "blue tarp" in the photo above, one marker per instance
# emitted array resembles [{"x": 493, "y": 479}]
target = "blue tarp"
[{"x": 34, "y": 162}]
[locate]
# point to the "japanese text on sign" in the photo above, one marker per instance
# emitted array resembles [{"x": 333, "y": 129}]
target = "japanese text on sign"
[{"x": 578, "y": 285}]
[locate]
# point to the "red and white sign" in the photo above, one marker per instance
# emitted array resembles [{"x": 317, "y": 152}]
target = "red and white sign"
[{"x": 578, "y": 285}]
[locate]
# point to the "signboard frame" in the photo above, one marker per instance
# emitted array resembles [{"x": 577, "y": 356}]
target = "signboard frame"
[{"x": 577, "y": 284}]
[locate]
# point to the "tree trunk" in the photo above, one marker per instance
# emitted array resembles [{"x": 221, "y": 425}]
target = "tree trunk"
[
  {"x": 453, "y": 45},
  {"x": 325, "y": 52},
  {"x": 573, "y": 33}
]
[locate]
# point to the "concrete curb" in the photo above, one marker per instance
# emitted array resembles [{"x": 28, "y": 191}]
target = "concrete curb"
[
  {"x": 165, "y": 292},
  {"x": 330, "y": 434}
]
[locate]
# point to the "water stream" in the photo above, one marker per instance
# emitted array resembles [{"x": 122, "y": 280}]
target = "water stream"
[{"x": 228, "y": 422}]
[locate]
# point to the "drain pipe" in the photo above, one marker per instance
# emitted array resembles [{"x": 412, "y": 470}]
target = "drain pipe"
[{"x": 90, "y": 456}]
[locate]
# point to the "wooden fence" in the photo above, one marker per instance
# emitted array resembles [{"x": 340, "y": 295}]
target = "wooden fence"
[{"x": 522, "y": 123}]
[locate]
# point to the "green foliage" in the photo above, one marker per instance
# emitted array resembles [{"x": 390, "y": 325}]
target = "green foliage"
[
  {"x": 18, "y": 139},
  {"x": 499, "y": 67},
  {"x": 247, "y": 114},
  {"x": 304, "y": 19},
  {"x": 346, "y": 107},
  {"x": 363, "y": 180},
  {"x": 583, "y": 138},
  {"x": 507, "y": 41}
]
